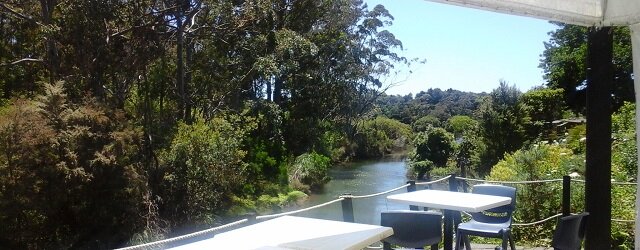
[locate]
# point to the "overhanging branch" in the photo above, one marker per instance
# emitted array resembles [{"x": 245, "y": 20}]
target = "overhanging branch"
[{"x": 23, "y": 60}]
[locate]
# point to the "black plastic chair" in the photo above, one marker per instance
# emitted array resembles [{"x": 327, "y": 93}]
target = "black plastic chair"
[
  {"x": 414, "y": 229},
  {"x": 492, "y": 223},
  {"x": 569, "y": 232}
]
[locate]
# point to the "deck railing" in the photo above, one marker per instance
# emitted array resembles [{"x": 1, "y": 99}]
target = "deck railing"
[{"x": 346, "y": 201}]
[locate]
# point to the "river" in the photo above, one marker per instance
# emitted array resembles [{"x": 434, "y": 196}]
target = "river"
[{"x": 360, "y": 179}]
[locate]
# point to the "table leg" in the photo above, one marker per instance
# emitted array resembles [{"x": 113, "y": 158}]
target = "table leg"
[{"x": 448, "y": 229}]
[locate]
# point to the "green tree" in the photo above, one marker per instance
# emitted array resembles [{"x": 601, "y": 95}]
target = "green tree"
[
  {"x": 543, "y": 106},
  {"x": 501, "y": 124},
  {"x": 564, "y": 65},
  {"x": 459, "y": 124},
  {"x": 435, "y": 145},
  {"x": 380, "y": 136},
  {"x": 425, "y": 123}
]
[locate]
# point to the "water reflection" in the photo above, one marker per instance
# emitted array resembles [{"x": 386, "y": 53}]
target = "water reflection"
[{"x": 360, "y": 179}]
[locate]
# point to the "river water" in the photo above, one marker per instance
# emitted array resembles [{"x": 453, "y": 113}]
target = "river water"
[{"x": 360, "y": 179}]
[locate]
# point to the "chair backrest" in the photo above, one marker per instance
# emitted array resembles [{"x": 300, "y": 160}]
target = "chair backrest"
[
  {"x": 569, "y": 232},
  {"x": 414, "y": 229},
  {"x": 502, "y": 214}
]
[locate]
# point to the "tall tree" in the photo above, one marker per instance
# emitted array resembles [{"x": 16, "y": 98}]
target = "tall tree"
[
  {"x": 564, "y": 65},
  {"x": 501, "y": 123}
]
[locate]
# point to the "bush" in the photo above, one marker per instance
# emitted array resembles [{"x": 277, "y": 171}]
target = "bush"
[
  {"x": 539, "y": 200},
  {"x": 309, "y": 171},
  {"x": 420, "y": 168},
  {"x": 435, "y": 145},
  {"x": 380, "y": 136},
  {"x": 202, "y": 169},
  {"x": 70, "y": 175}
]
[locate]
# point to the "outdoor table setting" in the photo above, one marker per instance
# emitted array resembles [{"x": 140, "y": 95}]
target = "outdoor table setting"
[
  {"x": 292, "y": 232},
  {"x": 450, "y": 202}
]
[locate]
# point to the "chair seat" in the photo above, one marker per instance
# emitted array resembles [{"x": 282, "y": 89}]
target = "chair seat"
[
  {"x": 413, "y": 228},
  {"x": 483, "y": 229},
  {"x": 413, "y": 243}
]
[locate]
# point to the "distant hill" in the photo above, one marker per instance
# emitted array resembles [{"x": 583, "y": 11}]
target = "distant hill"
[{"x": 433, "y": 102}]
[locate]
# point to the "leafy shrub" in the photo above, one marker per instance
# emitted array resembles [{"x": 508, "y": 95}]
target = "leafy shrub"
[
  {"x": 420, "y": 168},
  {"x": 56, "y": 157},
  {"x": 576, "y": 139},
  {"x": 202, "y": 169},
  {"x": 539, "y": 200},
  {"x": 435, "y": 145},
  {"x": 624, "y": 154},
  {"x": 380, "y": 136},
  {"x": 309, "y": 171}
]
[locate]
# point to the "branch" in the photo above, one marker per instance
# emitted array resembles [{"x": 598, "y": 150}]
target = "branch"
[
  {"x": 23, "y": 60},
  {"x": 19, "y": 15}
]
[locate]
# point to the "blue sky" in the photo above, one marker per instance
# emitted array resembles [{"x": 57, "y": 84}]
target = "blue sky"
[{"x": 465, "y": 49}]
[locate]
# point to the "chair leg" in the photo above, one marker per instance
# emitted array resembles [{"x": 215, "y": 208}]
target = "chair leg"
[
  {"x": 467, "y": 242},
  {"x": 458, "y": 240},
  {"x": 386, "y": 246},
  {"x": 434, "y": 247},
  {"x": 511, "y": 242},
  {"x": 505, "y": 239}
]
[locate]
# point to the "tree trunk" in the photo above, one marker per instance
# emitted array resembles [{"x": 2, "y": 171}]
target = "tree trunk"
[
  {"x": 51, "y": 60},
  {"x": 182, "y": 102}
]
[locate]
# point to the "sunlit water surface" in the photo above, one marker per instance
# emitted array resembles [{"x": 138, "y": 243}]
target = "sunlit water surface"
[{"x": 360, "y": 179}]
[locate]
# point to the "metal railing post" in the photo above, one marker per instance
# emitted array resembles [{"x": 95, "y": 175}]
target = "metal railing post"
[
  {"x": 449, "y": 215},
  {"x": 453, "y": 184},
  {"x": 566, "y": 195},
  {"x": 347, "y": 208},
  {"x": 412, "y": 188}
]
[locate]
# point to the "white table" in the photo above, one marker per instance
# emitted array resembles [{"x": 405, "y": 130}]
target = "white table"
[
  {"x": 290, "y": 232},
  {"x": 450, "y": 201}
]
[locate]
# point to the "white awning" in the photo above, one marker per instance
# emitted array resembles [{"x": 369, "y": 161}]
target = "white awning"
[{"x": 579, "y": 12}]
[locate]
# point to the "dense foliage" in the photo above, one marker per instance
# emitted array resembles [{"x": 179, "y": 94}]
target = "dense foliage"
[
  {"x": 564, "y": 64},
  {"x": 431, "y": 103},
  {"x": 542, "y": 161},
  {"x": 380, "y": 136},
  {"x": 126, "y": 121}
]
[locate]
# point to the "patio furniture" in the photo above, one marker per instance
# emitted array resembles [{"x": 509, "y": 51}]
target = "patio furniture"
[
  {"x": 450, "y": 202},
  {"x": 569, "y": 232},
  {"x": 492, "y": 223},
  {"x": 291, "y": 232},
  {"x": 414, "y": 229}
]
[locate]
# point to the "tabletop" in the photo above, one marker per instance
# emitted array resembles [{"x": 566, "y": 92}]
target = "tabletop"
[
  {"x": 450, "y": 200},
  {"x": 291, "y": 232}
]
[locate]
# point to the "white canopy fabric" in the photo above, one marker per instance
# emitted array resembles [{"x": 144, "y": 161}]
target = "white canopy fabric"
[
  {"x": 579, "y": 12},
  {"x": 635, "y": 41},
  {"x": 585, "y": 13}
]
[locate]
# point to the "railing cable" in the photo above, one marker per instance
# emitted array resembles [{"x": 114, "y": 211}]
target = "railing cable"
[
  {"x": 373, "y": 195},
  {"x": 536, "y": 222},
  {"x": 613, "y": 182},
  {"x": 509, "y": 182},
  {"x": 433, "y": 182},
  {"x": 262, "y": 217},
  {"x": 624, "y": 221},
  {"x": 182, "y": 237}
]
